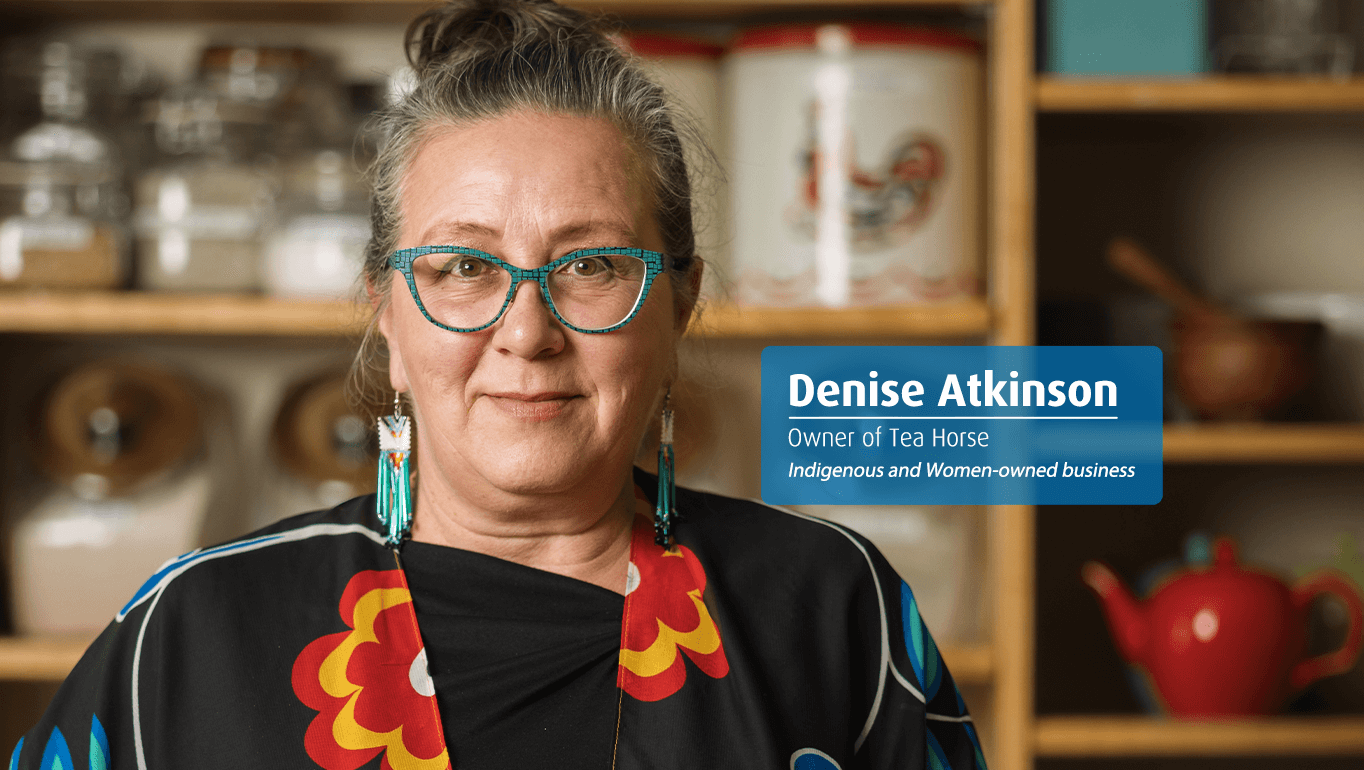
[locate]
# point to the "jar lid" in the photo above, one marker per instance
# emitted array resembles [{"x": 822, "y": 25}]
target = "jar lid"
[
  {"x": 320, "y": 438},
  {"x": 651, "y": 45},
  {"x": 117, "y": 422},
  {"x": 861, "y": 35}
]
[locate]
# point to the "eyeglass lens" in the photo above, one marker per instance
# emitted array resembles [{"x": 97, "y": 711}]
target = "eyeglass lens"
[{"x": 590, "y": 293}]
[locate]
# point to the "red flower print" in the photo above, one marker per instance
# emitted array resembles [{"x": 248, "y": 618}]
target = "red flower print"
[
  {"x": 370, "y": 684},
  {"x": 664, "y": 617}
]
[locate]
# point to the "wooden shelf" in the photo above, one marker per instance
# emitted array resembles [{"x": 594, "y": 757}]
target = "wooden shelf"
[
  {"x": 970, "y": 664},
  {"x": 40, "y": 659},
  {"x": 180, "y": 314},
  {"x": 371, "y": 11},
  {"x": 1142, "y": 736},
  {"x": 1211, "y": 94},
  {"x": 959, "y": 319},
  {"x": 149, "y": 313},
  {"x": 1274, "y": 443}
]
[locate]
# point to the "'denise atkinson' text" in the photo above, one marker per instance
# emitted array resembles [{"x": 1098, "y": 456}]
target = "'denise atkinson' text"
[{"x": 979, "y": 391}]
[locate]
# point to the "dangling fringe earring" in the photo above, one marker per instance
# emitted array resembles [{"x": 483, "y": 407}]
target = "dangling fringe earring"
[
  {"x": 665, "y": 509},
  {"x": 395, "y": 485}
]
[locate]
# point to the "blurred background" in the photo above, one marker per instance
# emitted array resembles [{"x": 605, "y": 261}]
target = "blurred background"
[{"x": 183, "y": 211}]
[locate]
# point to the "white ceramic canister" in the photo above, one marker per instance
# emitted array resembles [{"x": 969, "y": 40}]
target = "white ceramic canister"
[
  {"x": 856, "y": 164},
  {"x": 689, "y": 69},
  {"x": 144, "y": 466}
]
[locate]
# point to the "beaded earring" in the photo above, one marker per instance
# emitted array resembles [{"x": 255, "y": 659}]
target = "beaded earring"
[
  {"x": 394, "y": 503},
  {"x": 665, "y": 509}
]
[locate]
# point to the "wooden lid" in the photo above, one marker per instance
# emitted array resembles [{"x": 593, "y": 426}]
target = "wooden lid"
[
  {"x": 122, "y": 422},
  {"x": 320, "y": 437}
]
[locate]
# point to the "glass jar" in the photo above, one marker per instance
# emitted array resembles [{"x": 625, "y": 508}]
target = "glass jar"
[
  {"x": 1283, "y": 37},
  {"x": 318, "y": 247},
  {"x": 199, "y": 214},
  {"x": 60, "y": 192}
]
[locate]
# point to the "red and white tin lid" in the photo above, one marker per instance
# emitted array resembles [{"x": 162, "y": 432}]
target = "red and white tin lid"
[
  {"x": 860, "y": 35},
  {"x": 661, "y": 45}
]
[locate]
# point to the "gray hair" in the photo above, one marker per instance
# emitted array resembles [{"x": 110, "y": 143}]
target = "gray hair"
[{"x": 480, "y": 59}]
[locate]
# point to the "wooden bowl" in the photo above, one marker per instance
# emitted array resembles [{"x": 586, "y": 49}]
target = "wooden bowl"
[{"x": 1229, "y": 368}]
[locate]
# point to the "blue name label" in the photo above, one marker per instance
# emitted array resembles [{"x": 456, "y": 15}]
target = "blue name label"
[{"x": 980, "y": 425}]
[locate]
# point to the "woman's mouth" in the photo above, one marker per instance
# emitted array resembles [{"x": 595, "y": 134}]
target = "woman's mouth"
[{"x": 533, "y": 407}]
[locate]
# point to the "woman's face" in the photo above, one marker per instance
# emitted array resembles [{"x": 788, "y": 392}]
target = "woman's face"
[{"x": 528, "y": 406}]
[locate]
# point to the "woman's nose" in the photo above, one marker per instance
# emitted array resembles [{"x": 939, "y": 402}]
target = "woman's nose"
[{"x": 528, "y": 329}]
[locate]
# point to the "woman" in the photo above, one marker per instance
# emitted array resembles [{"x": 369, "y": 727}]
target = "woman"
[{"x": 532, "y": 270}]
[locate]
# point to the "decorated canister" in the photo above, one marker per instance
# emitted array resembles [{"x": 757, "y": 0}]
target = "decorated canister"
[
  {"x": 689, "y": 69},
  {"x": 856, "y": 164}
]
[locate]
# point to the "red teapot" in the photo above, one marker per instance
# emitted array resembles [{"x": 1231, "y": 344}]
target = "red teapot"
[{"x": 1222, "y": 640}]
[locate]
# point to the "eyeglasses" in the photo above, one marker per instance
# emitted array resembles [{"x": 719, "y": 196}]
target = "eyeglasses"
[{"x": 590, "y": 291}]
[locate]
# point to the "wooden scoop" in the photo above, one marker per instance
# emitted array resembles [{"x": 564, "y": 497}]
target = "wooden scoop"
[{"x": 1132, "y": 261}]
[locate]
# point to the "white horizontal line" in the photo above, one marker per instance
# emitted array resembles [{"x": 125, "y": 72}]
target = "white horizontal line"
[
  {"x": 945, "y": 718},
  {"x": 995, "y": 417}
]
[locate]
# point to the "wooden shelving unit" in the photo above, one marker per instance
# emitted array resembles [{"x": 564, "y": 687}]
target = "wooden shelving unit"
[
  {"x": 1210, "y": 94},
  {"x": 40, "y": 659},
  {"x": 1148, "y": 737},
  {"x": 1097, "y": 738},
  {"x": 224, "y": 315},
  {"x": 1267, "y": 443}
]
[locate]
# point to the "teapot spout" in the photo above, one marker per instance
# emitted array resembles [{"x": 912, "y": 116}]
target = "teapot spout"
[{"x": 1126, "y": 618}]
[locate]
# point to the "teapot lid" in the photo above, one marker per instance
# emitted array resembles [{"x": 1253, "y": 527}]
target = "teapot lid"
[{"x": 1224, "y": 553}]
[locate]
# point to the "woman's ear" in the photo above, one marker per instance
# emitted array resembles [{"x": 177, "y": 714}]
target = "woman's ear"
[
  {"x": 383, "y": 312},
  {"x": 688, "y": 303},
  {"x": 373, "y": 295}
]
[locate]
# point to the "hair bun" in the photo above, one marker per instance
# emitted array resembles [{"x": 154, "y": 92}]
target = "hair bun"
[{"x": 461, "y": 26}]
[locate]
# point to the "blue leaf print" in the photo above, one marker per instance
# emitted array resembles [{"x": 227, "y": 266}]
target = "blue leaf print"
[
  {"x": 923, "y": 653},
  {"x": 975, "y": 742},
  {"x": 813, "y": 759},
  {"x": 57, "y": 755},
  {"x": 937, "y": 758},
  {"x": 14, "y": 758},
  {"x": 99, "y": 745}
]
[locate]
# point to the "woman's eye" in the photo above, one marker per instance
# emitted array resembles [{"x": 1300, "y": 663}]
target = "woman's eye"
[
  {"x": 587, "y": 268},
  {"x": 469, "y": 267}
]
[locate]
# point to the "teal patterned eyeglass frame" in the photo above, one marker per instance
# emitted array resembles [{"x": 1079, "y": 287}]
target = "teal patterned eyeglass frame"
[{"x": 654, "y": 263}]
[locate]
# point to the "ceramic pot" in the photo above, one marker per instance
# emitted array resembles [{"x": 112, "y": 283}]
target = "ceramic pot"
[{"x": 1223, "y": 640}]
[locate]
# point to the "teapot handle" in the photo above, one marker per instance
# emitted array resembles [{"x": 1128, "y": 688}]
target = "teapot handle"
[{"x": 1329, "y": 581}]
